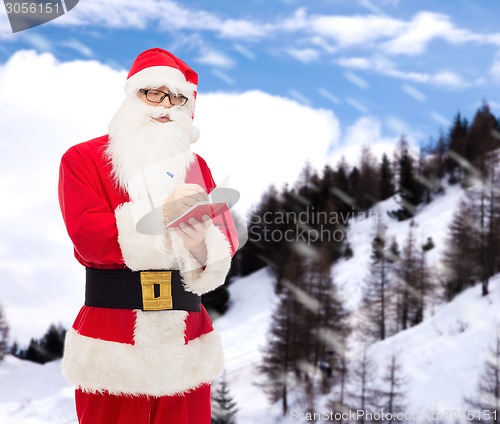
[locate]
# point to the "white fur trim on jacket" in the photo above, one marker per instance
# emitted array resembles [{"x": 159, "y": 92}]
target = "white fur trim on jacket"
[
  {"x": 218, "y": 262},
  {"x": 140, "y": 251},
  {"x": 158, "y": 364}
]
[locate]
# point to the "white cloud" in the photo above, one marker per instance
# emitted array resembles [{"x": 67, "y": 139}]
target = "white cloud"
[
  {"x": 78, "y": 46},
  {"x": 38, "y": 41},
  {"x": 350, "y": 31},
  {"x": 255, "y": 138},
  {"x": 330, "y": 32},
  {"x": 164, "y": 15},
  {"x": 494, "y": 70},
  {"x": 384, "y": 66},
  {"x": 387, "y": 34},
  {"x": 304, "y": 55},
  {"x": 366, "y": 131},
  {"x": 422, "y": 29},
  {"x": 397, "y": 125},
  {"x": 492, "y": 104},
  {"x": 448, "y": 79},
  {"x": 216, "y": 58}
]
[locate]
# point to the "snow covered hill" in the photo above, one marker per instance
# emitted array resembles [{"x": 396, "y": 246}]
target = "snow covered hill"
[{"x": 442, "y": 358}]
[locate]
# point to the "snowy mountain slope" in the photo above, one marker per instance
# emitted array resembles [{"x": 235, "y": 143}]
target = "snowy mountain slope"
[
  {"x": 243, "y": 329},
  {"x": 443, "y": 357},
  {"x": 34, "y": 394},
  {"x": 432, "y": 220}
]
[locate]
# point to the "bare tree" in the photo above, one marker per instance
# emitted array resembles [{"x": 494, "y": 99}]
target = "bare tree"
[
  {"x": 375, "y": 304},
  {"x": 4, "y": 335},
  {"x": 484, "y": 407},
  {"x": 392, "y": 392},
  {"x": 363, "y": 395}
]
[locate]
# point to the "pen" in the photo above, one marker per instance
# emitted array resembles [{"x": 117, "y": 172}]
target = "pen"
[{"x": 174, "y": 177}]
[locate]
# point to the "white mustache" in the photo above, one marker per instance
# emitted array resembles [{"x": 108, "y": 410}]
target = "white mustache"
[{"x": 160, "y": 111}]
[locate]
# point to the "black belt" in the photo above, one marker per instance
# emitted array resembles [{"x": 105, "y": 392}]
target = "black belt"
[{"x": 146, "y": 290}]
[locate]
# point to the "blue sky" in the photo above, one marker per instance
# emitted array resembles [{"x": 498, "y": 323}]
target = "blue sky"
[{"x": 412, "y": 64}]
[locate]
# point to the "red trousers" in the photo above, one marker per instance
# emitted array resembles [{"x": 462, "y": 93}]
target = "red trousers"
[{"x": 191, "y": 408}]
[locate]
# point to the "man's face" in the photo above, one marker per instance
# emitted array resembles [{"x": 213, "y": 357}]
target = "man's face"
[{"x": 152, "y": 96}]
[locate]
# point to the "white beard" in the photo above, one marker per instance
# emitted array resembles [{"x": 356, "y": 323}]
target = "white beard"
[{"x": 142, "y": 150}]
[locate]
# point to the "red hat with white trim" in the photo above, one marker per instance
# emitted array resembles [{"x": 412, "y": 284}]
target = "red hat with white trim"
[{"x": 156, "y": 67}]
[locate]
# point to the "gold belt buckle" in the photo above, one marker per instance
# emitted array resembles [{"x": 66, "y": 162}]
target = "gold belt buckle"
[{"x": 156, "y": 290}]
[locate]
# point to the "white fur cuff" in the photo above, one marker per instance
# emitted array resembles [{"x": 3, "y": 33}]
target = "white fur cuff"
[
  {"x": 140, "y": 251},
  {"x": 216, "y": 268}
]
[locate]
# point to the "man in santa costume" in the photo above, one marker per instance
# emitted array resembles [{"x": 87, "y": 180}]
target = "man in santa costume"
[{"x": 143, "y": 350}]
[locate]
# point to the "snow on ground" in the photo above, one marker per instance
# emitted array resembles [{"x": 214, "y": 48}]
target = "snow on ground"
[
  {"x": 34, "y": 394},
  {"x": 443, "y": 357},
  {"x": 243, "y": 329}
]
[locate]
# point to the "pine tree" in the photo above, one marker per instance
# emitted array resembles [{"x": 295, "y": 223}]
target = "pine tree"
[
  {"x": 480, "y": 141},
  {"x": 328, "y": 324},
  {"x": 386, "y": 179},
  {"x": 46, "y": 349},
  {"x": 321, "y": 331},
  {"x": 484, "y": 198},
  {"x": 341, "y": 189},
  {"x": 254, "y": 255},
  {"x": 368, "y": 193},
  {"x": 216, "y": 302},
  {"x": 456, "y": 149},
  {"x": 279, "y": 358},
  {"x": 223, "y": 405},
  {"x": 410, "y": 190},
  {"x": 377, "y": 289},
  {"x": 4, "y": 335},
  {"x": 487, "y": 399},
  {"x": 432, "y": 168},
  {"x": 339, "y": 400},
  {"x": 424, "y": 288},
  {"x": 354, "y": 188},
  {"x": 308, "y": 329},
  {"x": 407, "y": 283},
  {"x": 392, "y": 392},
  {"x": 461, "y": 254}
]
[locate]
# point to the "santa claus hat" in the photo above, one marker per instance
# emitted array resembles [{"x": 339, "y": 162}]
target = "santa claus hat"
[{"x": 157, "y": 67}]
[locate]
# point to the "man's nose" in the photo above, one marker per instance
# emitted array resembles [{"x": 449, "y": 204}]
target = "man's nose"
[{"x": 166, "y": 102}]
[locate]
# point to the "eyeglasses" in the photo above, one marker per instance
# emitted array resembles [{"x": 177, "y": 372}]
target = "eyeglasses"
[{"x": 157, "y": 96}]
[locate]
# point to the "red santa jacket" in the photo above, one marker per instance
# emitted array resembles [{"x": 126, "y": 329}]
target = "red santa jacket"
[{"x": 124, "y": 351}]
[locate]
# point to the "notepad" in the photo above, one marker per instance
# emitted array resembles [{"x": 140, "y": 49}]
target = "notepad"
[
  {"x": 219, "y": 201},
  {"x": 198, "y": 211}
]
